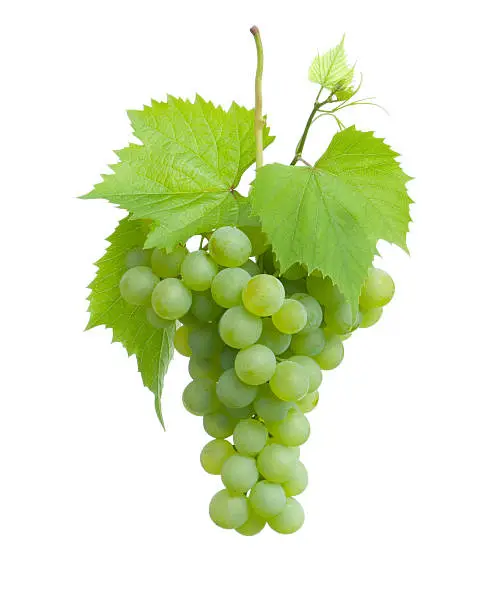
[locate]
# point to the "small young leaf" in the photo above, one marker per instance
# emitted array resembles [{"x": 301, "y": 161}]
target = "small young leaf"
[{"x": 330, "y": 70}]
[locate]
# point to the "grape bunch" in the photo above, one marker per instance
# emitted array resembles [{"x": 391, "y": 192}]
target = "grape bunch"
[{"x": 257, "y": 343}]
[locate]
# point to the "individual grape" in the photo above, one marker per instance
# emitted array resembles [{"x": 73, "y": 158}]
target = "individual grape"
[
  {"x": 227, "y": 286},
  {"x": 229, "y": 247},
  {"x": 294, "y": 430},
  {"x": 313, "y": 308},
  {"x": 295, "y": 286},
  {"x": 171, "y": 299},
  {"x": 214, "y": 455},
  {"x": 263, "y": 295},
  {"x": 308, "y": 343},
  {"x": 323, "y": 289},
  {"x": 269, "y": 407},
  {"x": 205, "y": 340},
  {"x": 291, "y": 317},
  {"x": 198, "y": 270},
  {"x": 273, "y": 338},
  {"x": 290, "y": 381},
  {"x": 295, "y": 272},
  {"x": 168, "y": 265},
  {"x": 204, "y": 308},
  {"x": 290, "y": 519},
  {"x": 137, "y": 257},
  {"x": 257, "y": 237},
  {"x": 377, "y": 290},
  {"x": 255, "y": 365},
  {"x": 232, "y": 392},
  {"x": 137, "y": 284},
  {"x": 277, "y": 462},
  {"x": 181, "y": 343},
  {"x": 156, "y": 321},
  {"x": 199, "y": 397},
  {"x": 228, "y": 357},
  {"x": 332, "y": 353},
  {"x": 312, "y": 368},
  {"x": 228, "y": 510},
  {"x": 267, "y": 499},
  {"x": 251, "y": 268},
  {"x": 309, "y": 402},
  {"x": 218, "y": 424},
  {"x": 340, "y": 318},
  {"x": 253, "y": 525},
  {"x": 204, "y": 367},
  {"x": 298, "y": 482},
  {"x": 239, "y": 473},
  {"x": 250, "y": 437},
  {"x": 370, "y": 317},
  {"x": 239, "y": 328}
]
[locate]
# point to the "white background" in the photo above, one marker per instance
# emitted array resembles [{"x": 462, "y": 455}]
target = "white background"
[{"x": 99, "y": 509}]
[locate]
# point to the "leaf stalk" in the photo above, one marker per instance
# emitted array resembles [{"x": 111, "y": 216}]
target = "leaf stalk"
[{"x": 258, "y": 116}]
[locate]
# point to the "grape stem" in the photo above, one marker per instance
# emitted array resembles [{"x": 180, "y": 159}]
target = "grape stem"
[{"x": 258, "y": 117}]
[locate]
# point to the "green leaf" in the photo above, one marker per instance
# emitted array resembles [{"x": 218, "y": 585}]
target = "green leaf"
[
  {"x": 331, "y": 216},
  {"x": 184, "y": 174},
  {"x": 330, "y": 70},
  {"x": 152, "y": 347}
]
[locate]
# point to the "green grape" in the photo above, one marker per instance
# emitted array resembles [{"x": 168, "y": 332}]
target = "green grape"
[
  {"x": 313, "y": 370},
  {"x": 273, "y": 338},
  {"x": 228, "y": 357},
  {"x": 277, "y": 462},
  {"x": 227, "y": 286},
  {"x": 267, "y": 499},
  {"x": 370, "y": 317},
  {"x": 250, "y": 437},
  {"x": 340, "y": 318},
  {"x": 323, "y": 289},
  {"x": 137, "y": 257},
  {"x": 244, "y": 412},
  {"x": 171, "y": 299},
  {"x": 228, "y": 510},
  {"x": 214, "y": 454},
  {"x": 229, "y": 247},
  {"x": 309, "y": 402},
  {"x": 251, "y": 268},
  {"x": 308, "y": 343},
  {"x": 205, "y": 340},
  {"x": 290, "y": 381},
  {"x": 255, "y": 365},
  {"x": 257, "y": 237},
  {"x": 204, "y": 308},
  {"x": 292, "y": 287},
  {"x": 239, "y": 328},
  {"x": 204, "y": 367},
  {"x": 377, "y": 290},
  {"x": 156, "y": 321},
  {"x": 298, "y": 482},
  {"x": 239, "y": 473},
  {"x": 295, "y": 272},
  {"x": 263, "y": 295},
  {"x": 294, "y": 430},
  {"x": 332, "y": 353},
  {"x": 168, "y": 265},
  {"x": 253, "y": 525},
  {"x": 198, "y": 270},
  {"x": 137, "y": 284},
  {"x": 181, "y": 343},
  {"x": 291, "y": 317},
  {"x": 218, "y": 424},
  {"x": 232, "y": 392},
  {"x": 199, "y": 397},
  {"x": 290, "y": 519},
  {"x": 269, "y": 407},
  {"x": 313, "y": 308}
]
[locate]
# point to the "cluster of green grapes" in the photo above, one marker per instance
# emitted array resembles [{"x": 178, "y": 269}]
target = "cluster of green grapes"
[{"x": 257, "y": 343}]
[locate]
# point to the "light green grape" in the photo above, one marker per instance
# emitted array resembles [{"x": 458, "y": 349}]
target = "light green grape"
[
  {"x": 239, "y": 473},
  {"x": 298, "y": 481},
  {"x": 370, "y": 317},
  {"x": 228, "y": 510},
  {"x": 204, "y": 367},
  {"x": 267, "y": 499},
  {"x": 312, "y": 368},
  {"x": 156, "y": 321},
  {"x": 181, "y": 343},
  {"x": 232, "y": 392},
  {"x": 277, "y": 462},
  {"x": 308, "y": 343},
  {"x": 137, "y": 257},
  {"x": 204, "y": 308},
  {"x": 228, "y": 357},
  {"x": 323, "y": 290},
  {"x": 171, "y": 299},
  {"x": 290, "y": 519},
  {"x": 377, "y": 290},
  {"x": 198, "y": 270},
  {"x": 263, "y": 295},
  {"x": 309, "y": 402},
  {"x": 199, "y": 397},
  {"x": 295, "y": 272},
  {"x": 218, "y": 424},
  {"x": 239, "y": 328},
  {"x": 340, "y": 318},
  {"x": 229, "y": 247},
  {"x": 250, "y": 437},
  {"x": 313, "y": 308},
  {"x": 257, "y": 237},
  {"x": 291, "y": 317},
  {"x": 273, "y": 338},
  {"x": 290, "y": 381},
  {"x": 205, "y": 340},
  {"x": 168, "y": 265},
  {"x": 254, "y": 524},
  {"x": 269, "y": 407},
  {"x": 251, "y": 268},
  {"x": 227, "y": 286},
  {"x": 137, "y": 284},
  {"x": 294, "y": 430},
  {"x": 214, "y": 455},
  {"x": 332, "y": 353},
  {"x": 255, "y": 365}
]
